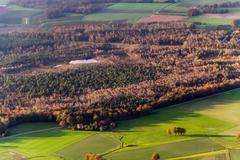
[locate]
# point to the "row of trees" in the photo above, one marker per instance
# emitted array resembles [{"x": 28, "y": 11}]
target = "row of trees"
[{"x": 220, "y": 8}]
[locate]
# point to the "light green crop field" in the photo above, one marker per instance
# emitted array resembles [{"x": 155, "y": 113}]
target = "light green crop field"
[
  {"x": 15, "y": 14},
  {"x": 160, "y": 8},
  {"x": 111, "y": 17},
  {"x": 139, "y": 6},
  {"x": 211, "y": 124},
  {"x": 211, "y": 21},
  {"x": 4, "y": 2},
  {"x": 131, "y": 12}
]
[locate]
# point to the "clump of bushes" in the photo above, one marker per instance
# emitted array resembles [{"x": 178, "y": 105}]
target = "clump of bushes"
[{"x": 176, "y": 131}]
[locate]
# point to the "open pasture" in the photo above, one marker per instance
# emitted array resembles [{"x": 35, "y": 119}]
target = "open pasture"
[
  {"x": 4, "y": 2},
  {"x": 139, "y": 6},
  {"x": 211, "y": 21},
  {"x": 14, "y": 14},
  {"x": 132, "y": 12},
  {"x": 113, "y": 17},
  {"x": 178, "y": 149},
  {"x": 97, "y": 143},
  {"x": 210, "y": 124}
]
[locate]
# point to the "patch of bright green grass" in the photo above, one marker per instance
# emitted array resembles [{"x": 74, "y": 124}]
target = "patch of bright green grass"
[
  {"x": 211, "y": 21},
  {"x": 161, "y": 8},
  {"x": 110, "y": 17},
  {"x": 151, "y": 129},
  {"x": 41, "y": 144},
  {"x": 222, "y": 106},
  {"x": 4, "y": 2},
  {"x": 139, "y": 6}
]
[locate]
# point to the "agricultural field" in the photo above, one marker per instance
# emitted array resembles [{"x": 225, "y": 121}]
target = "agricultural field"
[
  {"x": 132, "y": 12},
  {"x": 211, "y": 21},
  {"x": 117, "y": 12},
  {"x": 109, "y": 89},
  {"x": 114, "y": 17},
  {"x": 3, "y": 2},
  {"x": 13, "y": 14},
  {"x": 67, "y": 19},
  {"x": 211, "y": 124}
]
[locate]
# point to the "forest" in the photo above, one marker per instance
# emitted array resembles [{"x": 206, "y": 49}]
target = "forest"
[{"x": 141, "y": 67}]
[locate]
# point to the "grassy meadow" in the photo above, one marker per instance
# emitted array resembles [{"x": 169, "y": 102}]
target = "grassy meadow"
[
  {"x": 4, "y": 2},
  {"x": 211, "y": 124},
  {"x": 211, "y": 21},
  {"x": 14, "y": 14},
  {"x": 113, "y": 17}
]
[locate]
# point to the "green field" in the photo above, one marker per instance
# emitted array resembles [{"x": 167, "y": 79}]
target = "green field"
[
  {"x": 97, "y": 143},
  {"x": 170, "y": 150},
  {"x": 131, "y": 12},
  {"x": 211, "y": 21},
  {"x": 4, "y": 2},
  {"x": 67, "y": 19},
  {"x": 111, "y": 17},
  {"x": 139, "y": 6},
  {"x": 211, "y": 124},
  {"x": 15, "y": 15},
  {"x": 127, "y": 12}
]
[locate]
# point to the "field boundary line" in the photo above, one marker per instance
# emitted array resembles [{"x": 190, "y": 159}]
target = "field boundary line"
[{"x": 29, "y": 132}]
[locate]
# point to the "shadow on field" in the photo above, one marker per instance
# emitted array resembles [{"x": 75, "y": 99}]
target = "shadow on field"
[
  {"x": 6, "y": 147},
  {"x": 181, "y": 111},
  {"x": 156, "y": 118},
  {"x": 45, "y": 134},
  {"x": 41, "y": 134},
  {"x": 212, "y": 101}
]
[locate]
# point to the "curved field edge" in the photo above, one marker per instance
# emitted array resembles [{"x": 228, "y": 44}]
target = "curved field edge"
[{"x": 213, "y": 118}]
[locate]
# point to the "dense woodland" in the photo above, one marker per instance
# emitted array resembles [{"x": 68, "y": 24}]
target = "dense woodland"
[{"x": 140, "y": 68}]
